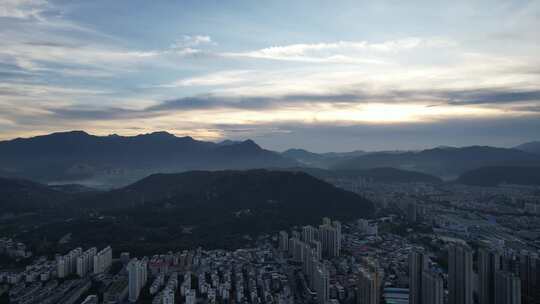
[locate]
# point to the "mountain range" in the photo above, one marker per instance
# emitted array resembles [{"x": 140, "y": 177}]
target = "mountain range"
[
  {"x": 320, "y": 160},
  {"x": 118, "y": 160},
  {"x": 446, "y": 162},
  {"x": 115, "y": 161}
]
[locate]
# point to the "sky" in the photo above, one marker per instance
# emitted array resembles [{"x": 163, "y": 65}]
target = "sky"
[{"x": 318, "y": 75}]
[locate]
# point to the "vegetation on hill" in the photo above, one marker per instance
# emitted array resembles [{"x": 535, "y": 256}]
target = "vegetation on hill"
[
  {"x": 209, "y": 208},
  {"x": 18, "y": 196}
]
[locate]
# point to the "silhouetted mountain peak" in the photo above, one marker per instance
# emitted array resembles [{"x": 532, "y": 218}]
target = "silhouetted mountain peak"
[
  {"x": 159, "y": 134},
  {"x": 56, "y": 137},
  {"x": 250, "y": 143},
  {"x": 245, "y": 147},
  {"x": 68, "y": 134},
  {"x": 73, "y": 132},
  {"x": 296, "y": 150},
  {"x": 302, "y": 155}
]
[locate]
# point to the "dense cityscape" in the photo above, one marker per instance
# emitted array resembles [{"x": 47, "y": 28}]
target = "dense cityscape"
[{"x": 431, "y": 244}]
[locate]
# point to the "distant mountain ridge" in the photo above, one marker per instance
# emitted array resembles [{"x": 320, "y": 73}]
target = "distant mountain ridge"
[
  {"x": 442, "y": 162},
  {"x": 78, "y": 155},
  {"x": 531, "y": 147},
  {"x": 114, "y": 160},
  {"x": 319, "y": 160}
]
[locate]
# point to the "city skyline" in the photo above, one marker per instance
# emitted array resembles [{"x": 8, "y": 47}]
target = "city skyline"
[{"x": 349, "y": 76}]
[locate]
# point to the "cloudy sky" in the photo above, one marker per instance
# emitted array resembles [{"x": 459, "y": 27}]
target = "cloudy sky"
[{"x": 320, "y": 75}]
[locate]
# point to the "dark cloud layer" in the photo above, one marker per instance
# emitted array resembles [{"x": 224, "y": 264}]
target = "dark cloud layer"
[{"x": 493, "y": 96}]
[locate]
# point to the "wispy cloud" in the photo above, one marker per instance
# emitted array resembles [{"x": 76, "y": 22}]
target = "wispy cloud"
[
  {"x": 39, "y": 91},
  {"x": 191, "y": 45},
  {"x": 22, "y": 8},
  {"x": 213, "y": 79},
  {"x": 346, "y": 107},
  {"x": 191, "y": 41},
  {"x": 44, "y": 42},
  {"x": 362, "y": 52},
  {"x": 34, "y": 56}
]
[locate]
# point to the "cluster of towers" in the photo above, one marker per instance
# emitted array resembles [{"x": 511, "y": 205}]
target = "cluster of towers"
[
  {"x": 502, "y": 279},
  {"x": 508, "y": 278},
  {"x": 84, "y": 263},
  {"x": 309, "y": 247}
]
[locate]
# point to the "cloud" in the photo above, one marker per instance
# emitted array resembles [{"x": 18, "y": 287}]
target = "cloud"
[
  {"x": 35, "y": 57},
  {"x": 190, "y": 45},
  {"x": 22, "y": 9},
  {"x": 43, "y": 42},
  {"x": 361, "y": 52},
  {"x": 255, "y": 102},
  {"x": 343, "y": 107},
  {"x": 491, "y": 96},
  {"x": 43, "y": 91},
  {"x": 188, "y": 41},
  {"x": 527, "y": 108},
  {"x": 50, "y": 44},
  {"x": 86, "y": 114},
  {"x": 213, "y": 79}
]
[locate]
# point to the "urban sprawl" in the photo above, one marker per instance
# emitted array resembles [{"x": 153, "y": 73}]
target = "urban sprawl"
[{"x": 428, "y": 244}]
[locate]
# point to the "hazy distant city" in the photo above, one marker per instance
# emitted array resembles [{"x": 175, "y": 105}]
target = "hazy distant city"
[{"x": 269, "y": 152}]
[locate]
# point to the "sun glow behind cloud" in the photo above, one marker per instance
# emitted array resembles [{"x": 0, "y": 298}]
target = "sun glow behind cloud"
[
  {"x": 377, "y": 113},
  {"x": 195, "y": 122}
]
